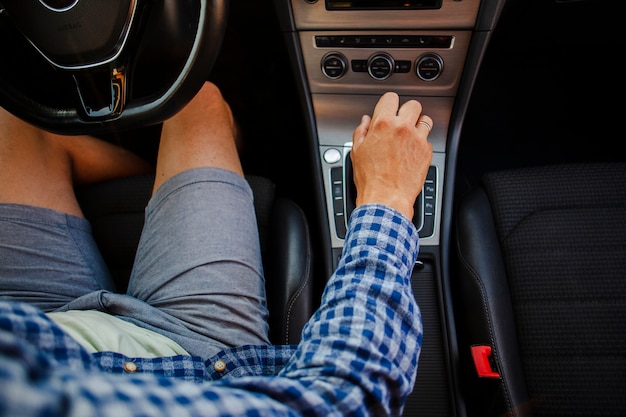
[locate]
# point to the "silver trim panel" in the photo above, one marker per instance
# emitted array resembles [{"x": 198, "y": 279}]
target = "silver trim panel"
[
  {"x": 453, "y": 14},
  {"x": 404, "y": 83}
]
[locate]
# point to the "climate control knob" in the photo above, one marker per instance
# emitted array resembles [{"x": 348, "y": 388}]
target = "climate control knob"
[
  {"x": 334, "y": 65},
  {"x": 380, "y": 66},
  {"x": 429, "y": 67}
]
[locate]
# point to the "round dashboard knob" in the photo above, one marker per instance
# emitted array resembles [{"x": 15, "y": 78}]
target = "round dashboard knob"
[
  {"x": 380, "y": 66},
  {"x": 429, "y": 67},
  {"x": 334, "y": 65}
]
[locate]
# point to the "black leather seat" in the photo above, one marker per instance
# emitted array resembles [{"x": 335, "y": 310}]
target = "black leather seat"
[
  {"x": 116, "y": 212},
  {"x": 540, "y": 292}
]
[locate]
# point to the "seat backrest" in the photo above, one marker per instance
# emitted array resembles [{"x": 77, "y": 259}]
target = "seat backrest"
[
  {"x": 540, "y": 292},
  {"x": 116, "y": 212}
]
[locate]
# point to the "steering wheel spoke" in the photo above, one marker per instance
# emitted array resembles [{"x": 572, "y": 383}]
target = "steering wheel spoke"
[{"x": 101, "y": 92}]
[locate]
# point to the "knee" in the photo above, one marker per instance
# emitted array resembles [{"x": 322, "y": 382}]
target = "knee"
[
  {"x": 211, "y": 90},
  {"x": 210, "y": 95},
  {"x": 207, "y": 107}
]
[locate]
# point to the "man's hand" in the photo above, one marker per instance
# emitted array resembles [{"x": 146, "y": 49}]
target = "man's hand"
[{"x": 391, "y": 155}]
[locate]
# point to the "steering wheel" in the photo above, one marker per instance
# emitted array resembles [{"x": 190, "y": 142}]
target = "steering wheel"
[{"x": 94, "y": 66}]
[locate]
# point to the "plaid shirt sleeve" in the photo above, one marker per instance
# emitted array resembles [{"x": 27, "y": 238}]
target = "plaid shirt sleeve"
[{"x": 358, "y": 355}]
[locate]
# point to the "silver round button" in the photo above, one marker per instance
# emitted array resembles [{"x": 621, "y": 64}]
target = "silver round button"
[{"x": 332, "y": 156}]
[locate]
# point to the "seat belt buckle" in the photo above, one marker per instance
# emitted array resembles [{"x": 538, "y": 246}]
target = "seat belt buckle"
[{"x": 482, "y": 355}]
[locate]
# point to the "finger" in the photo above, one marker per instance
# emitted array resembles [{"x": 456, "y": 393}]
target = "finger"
[
  {"x": 361, "y": 130},
  {"x": 387, "y": 105},
  {"x": 410, "y": 111}
]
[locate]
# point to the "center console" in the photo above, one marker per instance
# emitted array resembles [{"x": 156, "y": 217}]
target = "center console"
[
  {"x": 346, "y": 54},
  {"x": 352, "y": 52}
]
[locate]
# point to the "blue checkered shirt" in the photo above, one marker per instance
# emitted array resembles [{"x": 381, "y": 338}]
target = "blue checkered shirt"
[{"x": 358, "y": 354}]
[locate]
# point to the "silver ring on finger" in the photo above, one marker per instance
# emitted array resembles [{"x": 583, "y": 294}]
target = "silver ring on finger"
[{"x": 425, "y": 123}]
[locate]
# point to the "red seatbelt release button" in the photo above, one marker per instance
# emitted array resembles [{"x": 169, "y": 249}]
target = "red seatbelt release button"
[{"x": 481, "y": 355}]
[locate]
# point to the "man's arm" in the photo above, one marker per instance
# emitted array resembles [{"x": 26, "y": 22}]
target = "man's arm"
[
  {"x": 358, "y": 354},
  {"x": 360, "y": 350}
]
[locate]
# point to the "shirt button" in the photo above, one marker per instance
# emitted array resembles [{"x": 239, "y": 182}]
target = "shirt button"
[
  {"x": 130, "y": 367},
  {"x": 219, "y": 366}
]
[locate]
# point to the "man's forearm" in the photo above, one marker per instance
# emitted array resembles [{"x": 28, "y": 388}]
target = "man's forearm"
[{"x": 366, "y": 337}]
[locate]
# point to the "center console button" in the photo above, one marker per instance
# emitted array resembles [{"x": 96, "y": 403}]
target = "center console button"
[{"x": 332, "y": 156}]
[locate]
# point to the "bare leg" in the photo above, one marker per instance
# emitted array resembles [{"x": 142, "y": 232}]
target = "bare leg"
[
  {"x": 199, "y": 258},
  {"x": 48, "y": 255},
  {"x": 40, "y": 169},
  {"x": 201, "y": 135}
]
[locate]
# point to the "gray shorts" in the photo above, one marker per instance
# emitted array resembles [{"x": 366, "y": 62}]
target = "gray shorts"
[{"x": 197, "y": 277}]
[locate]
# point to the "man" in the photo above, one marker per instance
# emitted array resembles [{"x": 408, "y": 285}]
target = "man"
[{"x": 190, "y": 336}]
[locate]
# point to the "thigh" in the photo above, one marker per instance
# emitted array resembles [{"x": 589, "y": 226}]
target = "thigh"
[
  {"x": 47, "y": 258},
  {"x": 40, "y": 168},
  {"x": 199, "y": 257},
  {"x": 35, "y": 171}
]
